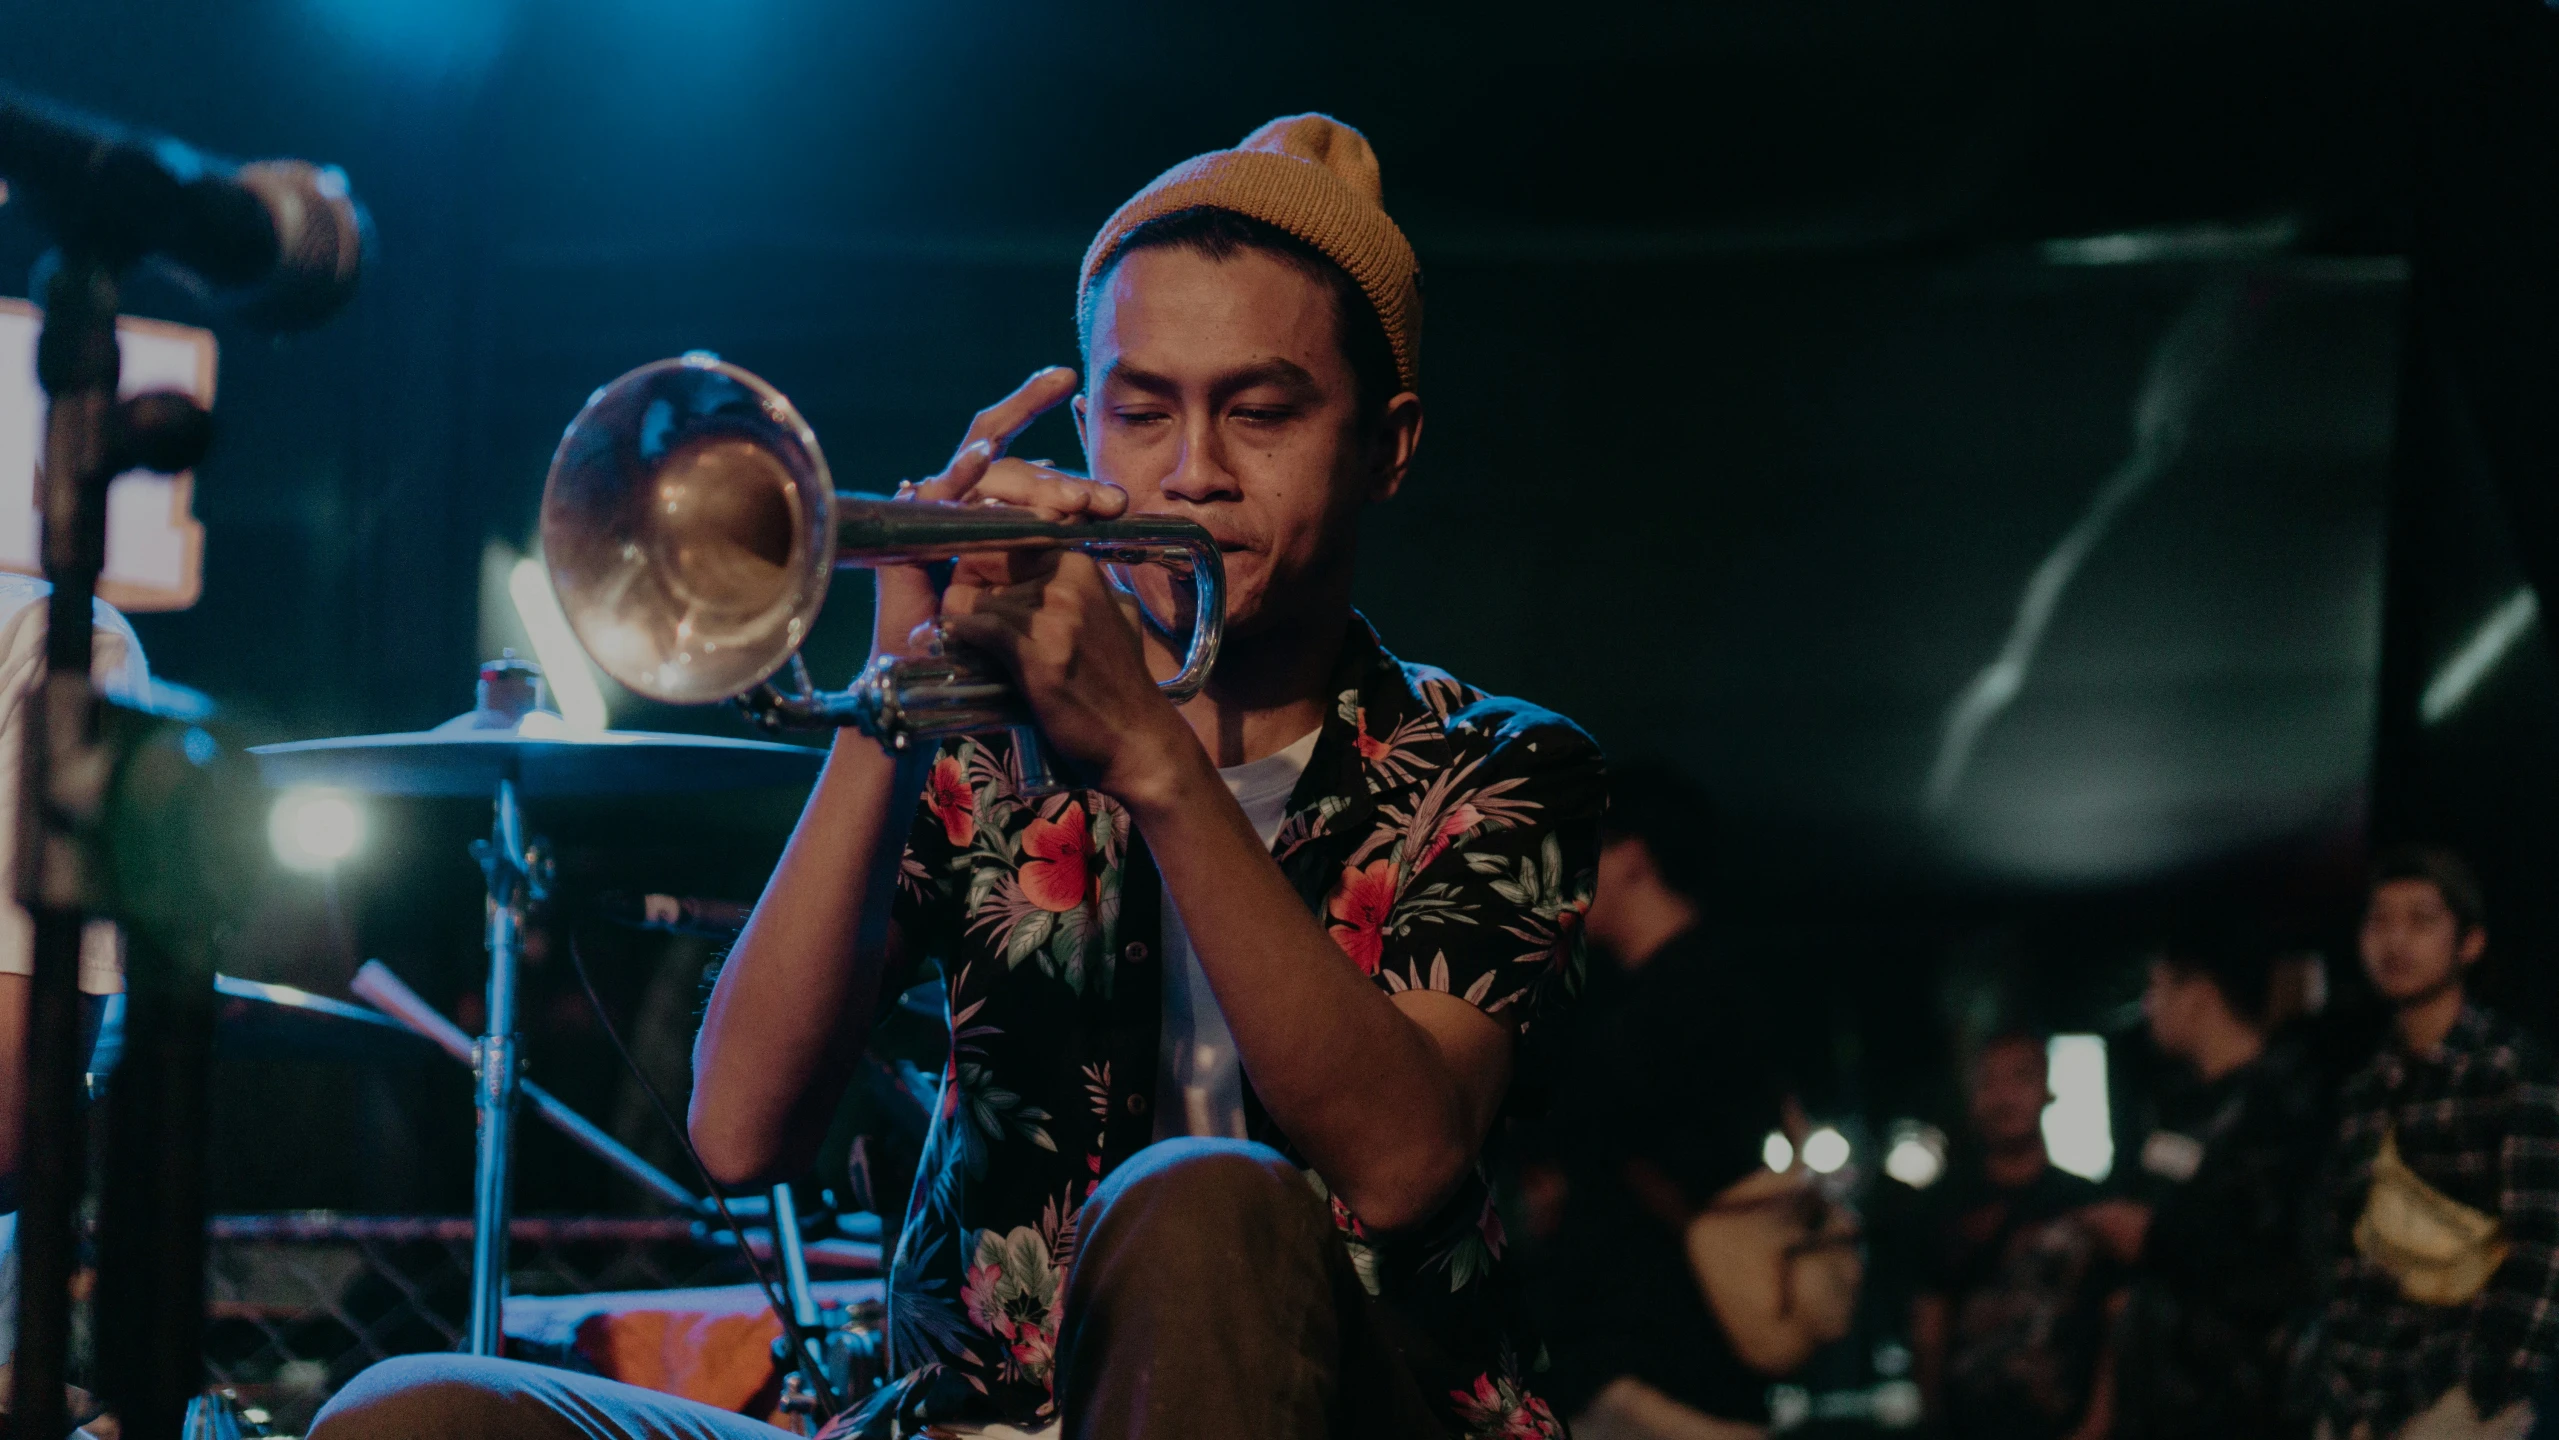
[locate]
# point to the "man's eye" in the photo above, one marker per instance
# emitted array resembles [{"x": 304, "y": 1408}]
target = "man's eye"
[
  {"x": 1262, "y": 414},
  {"x": 1140, "y": 417}
]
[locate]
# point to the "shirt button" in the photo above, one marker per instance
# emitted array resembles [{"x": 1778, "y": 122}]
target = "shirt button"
[
  {"x": 1135, "y": 952},
  {"x": 1137, "y": 1104}
]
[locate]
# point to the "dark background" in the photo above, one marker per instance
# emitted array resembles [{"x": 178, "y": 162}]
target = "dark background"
[{"x": 1764, "y": 370}]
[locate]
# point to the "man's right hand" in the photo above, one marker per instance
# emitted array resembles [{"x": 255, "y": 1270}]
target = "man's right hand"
[{"x": 979, "y": 470}]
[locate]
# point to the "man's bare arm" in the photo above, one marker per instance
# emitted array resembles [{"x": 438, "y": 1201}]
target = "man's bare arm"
[
  {"x": 794, "y": 1005},
  {"x": 1321, "y": 1042}
]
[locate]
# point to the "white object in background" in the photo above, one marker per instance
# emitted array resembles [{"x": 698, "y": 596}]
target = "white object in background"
[
  {"x": 564, "y": 663},
  {"x": 155, "y": 547},
  {"x": 1825, "y": 1150},
  {"x": 1777, "y": 1152},
  {"x": 1917, "y": 1155},
  {"x": 2172, "y": 1156},
  {"x": 2079, "y": 1129}
]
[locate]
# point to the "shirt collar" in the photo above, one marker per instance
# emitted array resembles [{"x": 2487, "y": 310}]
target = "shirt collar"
[
  {"x": 1332, "y": 798},
  {"x": 2468, "y": 1036}
]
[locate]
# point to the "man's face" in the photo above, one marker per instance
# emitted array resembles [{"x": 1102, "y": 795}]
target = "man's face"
[
  {"x": 2172, "y": 1002},
  {"x": 1218, "y": 392},
  {"x": 2412, "y": 945},
  {"x": 2009, "y": 1094},
  {"x": 1625, "y": 869}
]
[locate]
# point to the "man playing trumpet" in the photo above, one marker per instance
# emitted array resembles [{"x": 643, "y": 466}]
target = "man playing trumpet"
[{"x": 1230, "y": 1023}]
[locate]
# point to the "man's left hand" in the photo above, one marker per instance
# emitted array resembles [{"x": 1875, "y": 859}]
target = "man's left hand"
[{"x": 1072, "y": 645}]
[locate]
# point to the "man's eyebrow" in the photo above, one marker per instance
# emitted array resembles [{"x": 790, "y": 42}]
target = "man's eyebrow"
[
  {"x": 1147, "y": 381},
  {"x": 1277, "y": 370}
]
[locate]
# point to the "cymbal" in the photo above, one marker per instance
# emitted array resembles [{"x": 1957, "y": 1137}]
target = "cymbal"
[{"x": 542, "y": 758}]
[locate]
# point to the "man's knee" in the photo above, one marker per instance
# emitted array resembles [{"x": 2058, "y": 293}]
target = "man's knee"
[
  {"x": 1234, "y": 1185},
  {"x": 423, "y": 1397}
]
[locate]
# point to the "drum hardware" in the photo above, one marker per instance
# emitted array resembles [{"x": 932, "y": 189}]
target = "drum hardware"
[
  {"x": 691, "y": 526},
  {"x": 216, "y": 1415},
  {"x": 508, "y": 748},
  {"x": 408, "y": 1009},
  {"x": 854, "y": 1345},
  {"x": 256, "y": 1020},
  {"x": 693, "y": 915},
  {"x": 804, "y": 1329},
  {"x": 803, "y": 1354}
]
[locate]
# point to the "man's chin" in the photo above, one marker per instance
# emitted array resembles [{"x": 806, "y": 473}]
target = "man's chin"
[{"x": 2400, "y": 991}]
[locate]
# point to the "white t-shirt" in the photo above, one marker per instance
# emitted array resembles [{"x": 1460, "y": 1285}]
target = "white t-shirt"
[
  {"x": 121, "y": 671},
  {"x": 1199, "y": 1082}
]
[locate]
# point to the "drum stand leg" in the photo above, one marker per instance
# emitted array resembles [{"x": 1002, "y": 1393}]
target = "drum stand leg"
[{"x": 508, "y": 865}]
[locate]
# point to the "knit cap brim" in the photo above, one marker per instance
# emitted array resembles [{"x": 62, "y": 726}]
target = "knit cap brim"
[{"x": 1313, "y": 177}]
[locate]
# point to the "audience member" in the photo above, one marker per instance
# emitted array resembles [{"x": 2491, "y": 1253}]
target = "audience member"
[
  {"x": 2443, "y": 1312},
  {"x": 2214, "y": 1230},
  {"x": 2009, "y": 1328},
  {"x": 1657, "y": 1137}
]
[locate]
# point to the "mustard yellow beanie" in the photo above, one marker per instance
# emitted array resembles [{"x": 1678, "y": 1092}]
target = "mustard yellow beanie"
[{"x": 1317, "y": 179}]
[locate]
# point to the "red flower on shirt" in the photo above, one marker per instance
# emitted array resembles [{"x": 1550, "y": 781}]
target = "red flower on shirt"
[
  {"x": 1370, "y": 750},
  {"x": 947, "y": 795},
  {"x": 1502, "y": 1409},
  {"x": 1360, "y": 903},
  {"x": 1460, "y": 818},
  {"x": 1061, "y": 863}
]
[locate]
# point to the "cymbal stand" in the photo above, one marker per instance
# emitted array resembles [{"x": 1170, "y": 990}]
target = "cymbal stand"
[{"x": 518, "y": 874}]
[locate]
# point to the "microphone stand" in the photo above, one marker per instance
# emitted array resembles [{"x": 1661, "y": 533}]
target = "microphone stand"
[{"x": 64, "y": 782}]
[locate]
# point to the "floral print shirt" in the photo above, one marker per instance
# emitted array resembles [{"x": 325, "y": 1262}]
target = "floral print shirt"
[{"x": 1447, "y": 839}]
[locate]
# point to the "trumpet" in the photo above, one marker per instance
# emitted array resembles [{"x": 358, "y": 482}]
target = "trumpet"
[{"x": 690, "y": 527}]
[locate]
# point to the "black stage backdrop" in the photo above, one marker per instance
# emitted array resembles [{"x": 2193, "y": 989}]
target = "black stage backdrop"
[{"x": 1759, "y": 392}]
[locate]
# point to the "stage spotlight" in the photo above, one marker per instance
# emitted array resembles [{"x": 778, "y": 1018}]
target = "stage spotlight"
[
  {"x": 313, "y": 828},
  {"x": 1777, "y": 1153},
  {"x": 1825, "y": 1150}
]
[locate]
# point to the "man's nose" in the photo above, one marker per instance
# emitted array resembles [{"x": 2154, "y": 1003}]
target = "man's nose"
[{"x": 1201, "y": 474}]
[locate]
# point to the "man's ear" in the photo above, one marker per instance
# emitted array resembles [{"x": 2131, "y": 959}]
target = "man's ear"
[
  {"x": 2474, "y": 943},
  {"x": 1641, "y": 869},
  {"x": 1397, "y": 436}
]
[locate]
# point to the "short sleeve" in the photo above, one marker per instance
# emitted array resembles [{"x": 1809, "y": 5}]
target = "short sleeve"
[
  {"x": 120, "y": 670},
  {"x": 1477, "y": 880},
  {"x": 944, "y": 828}
]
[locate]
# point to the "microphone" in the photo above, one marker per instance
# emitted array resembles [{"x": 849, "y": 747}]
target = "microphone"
[
  {"x": 287, "y": 234},
  {"x": 675, "y": 914}
]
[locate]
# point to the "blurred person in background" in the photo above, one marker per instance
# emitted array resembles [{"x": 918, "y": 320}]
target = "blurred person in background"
[
  {"x": 2442, "y": 1315},
  {"x": 2213, "y": 1228},
  {"x": 118, "y": 666},
  {"x": 1656, "y": 1146},
  {"x": 2010, "y": 1324}
]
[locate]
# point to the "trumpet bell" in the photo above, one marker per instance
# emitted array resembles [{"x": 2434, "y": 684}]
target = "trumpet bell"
[{"x": 688, "y": 525}]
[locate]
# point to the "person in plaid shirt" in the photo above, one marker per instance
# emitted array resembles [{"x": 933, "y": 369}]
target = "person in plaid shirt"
[{"x": 2443, "y": 1317}]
